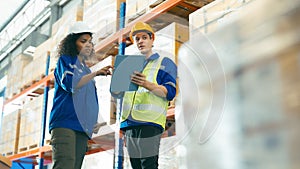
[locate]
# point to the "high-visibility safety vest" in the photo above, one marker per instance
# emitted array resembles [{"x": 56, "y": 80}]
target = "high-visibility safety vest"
[{"x": 142, "y": 104}]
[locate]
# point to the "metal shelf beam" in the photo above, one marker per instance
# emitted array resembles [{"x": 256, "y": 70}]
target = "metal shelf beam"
[
  {"x": 155, "y": 12},
  {"x": 30, "y": 91}
]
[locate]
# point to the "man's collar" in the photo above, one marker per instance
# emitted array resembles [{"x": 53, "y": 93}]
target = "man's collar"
[{"x": 153, "y": 56}]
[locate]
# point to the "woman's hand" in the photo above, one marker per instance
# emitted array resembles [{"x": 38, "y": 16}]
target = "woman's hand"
[
  {"x": 97, "y": 127},
  {"x": 104, "y": 71}
]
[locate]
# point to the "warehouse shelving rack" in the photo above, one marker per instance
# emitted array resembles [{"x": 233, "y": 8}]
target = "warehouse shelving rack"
[{"x": 105, "y": 45}]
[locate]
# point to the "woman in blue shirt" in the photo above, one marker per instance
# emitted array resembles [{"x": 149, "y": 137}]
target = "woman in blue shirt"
[{"x": 74, "y": 114}]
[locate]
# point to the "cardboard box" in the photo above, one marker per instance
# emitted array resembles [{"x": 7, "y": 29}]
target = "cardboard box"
[
  {"x": 211, "y": 16},
  {"x": 102, "y": 18},
  {"x": 15, "y": 74},
  {"x": 10, "y": 133}
]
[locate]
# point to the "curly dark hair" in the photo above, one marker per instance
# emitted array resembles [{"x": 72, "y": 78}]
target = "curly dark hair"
[{"x": 68, "y": 45}]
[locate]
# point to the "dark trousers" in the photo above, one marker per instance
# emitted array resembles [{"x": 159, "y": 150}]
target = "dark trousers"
[
  {"x": 68, "y": 148},
  {"x": 142, "y": 143}
]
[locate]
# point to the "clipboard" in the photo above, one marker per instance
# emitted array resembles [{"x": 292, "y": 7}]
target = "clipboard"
[{"x": 124, "y": 67}]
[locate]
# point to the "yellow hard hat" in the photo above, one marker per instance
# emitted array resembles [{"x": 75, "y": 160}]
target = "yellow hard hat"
[{"x": 140, "y": 27}]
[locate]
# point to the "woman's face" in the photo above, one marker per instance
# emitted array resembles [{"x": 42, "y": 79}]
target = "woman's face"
[{"x": 84, "y": 45}]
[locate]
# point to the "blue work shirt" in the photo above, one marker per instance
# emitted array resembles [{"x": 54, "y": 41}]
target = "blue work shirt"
[
  {"x": 166, "y": 76},
  {"x": 73, "y": 108}
]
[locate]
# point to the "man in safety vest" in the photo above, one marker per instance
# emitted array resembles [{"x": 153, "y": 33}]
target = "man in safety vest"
[{"x": 144, "y": 111}]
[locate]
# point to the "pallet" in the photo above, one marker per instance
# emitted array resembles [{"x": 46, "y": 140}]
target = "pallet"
[
  {"x": 52, "y": 70},
  {"x": 33, "y": 81},
  {"x": 32, "y": 146},
  {"x": 9, "y": 153},
  {"x": 47, "y": 142}
]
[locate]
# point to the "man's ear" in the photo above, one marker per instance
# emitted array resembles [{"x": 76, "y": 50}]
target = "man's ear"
[{"x": 151, "y": 36}]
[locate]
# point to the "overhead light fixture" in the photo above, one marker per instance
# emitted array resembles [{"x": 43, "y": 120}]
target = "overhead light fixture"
[
  {"x": 29, "y": 50},
  {"x": 62, "y": 2}
]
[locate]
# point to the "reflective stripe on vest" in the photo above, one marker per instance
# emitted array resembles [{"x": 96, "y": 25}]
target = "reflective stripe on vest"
[{"x": 143, "y": 105}]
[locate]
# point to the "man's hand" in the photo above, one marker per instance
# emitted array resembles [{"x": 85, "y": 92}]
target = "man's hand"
[{"x": 139, "y": 79}]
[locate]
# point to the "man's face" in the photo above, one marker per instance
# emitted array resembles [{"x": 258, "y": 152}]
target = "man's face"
[{"x": 144, "y": 42}]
